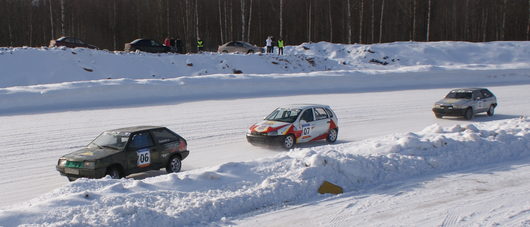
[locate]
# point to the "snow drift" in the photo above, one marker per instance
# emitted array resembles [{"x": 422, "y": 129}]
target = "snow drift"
[{"x": 220, "y": 193}]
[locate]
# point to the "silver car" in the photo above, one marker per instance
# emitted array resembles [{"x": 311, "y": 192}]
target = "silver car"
[
  {"x": 466, "y": 102},
  {"x": 239, "y": 47}
]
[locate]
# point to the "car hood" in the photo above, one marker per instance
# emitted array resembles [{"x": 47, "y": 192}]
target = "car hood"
[
  {"x": 452, "y": 101},
  {"x": 268, "y": 126},
  {"x": 90, "y": 154}
]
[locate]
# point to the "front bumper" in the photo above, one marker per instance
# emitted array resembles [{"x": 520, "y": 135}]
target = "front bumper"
[
  {"x": 81, "y": 172},
  {"x": 449, "y": 111},
  {"x": 265, "y": 140}
]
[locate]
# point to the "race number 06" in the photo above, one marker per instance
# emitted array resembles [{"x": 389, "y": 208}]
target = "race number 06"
[{"x": 144, "y": 158}]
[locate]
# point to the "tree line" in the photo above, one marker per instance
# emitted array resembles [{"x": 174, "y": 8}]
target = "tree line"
[{"x": 109, "y": 24}]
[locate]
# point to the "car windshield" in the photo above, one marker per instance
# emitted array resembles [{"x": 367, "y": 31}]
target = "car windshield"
[
  {"x": 459, "y": 95},
  {"x": 113, "y": 140},
  {"x": 284, "y": 115}
]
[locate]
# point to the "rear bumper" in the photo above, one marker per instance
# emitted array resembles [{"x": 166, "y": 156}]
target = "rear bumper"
[
  {"x": 184, "y": 154},
  {"x": 265, "y": 140},
  {"x": 446, "y": 111}
]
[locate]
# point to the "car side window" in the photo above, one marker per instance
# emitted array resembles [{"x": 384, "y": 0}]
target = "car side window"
[
  {"x": 477, "y": 95},
  {"x": 320, "y": 113},
  {"x": 307, "y": 115},
  {"x": 486, "y": 93},
  {"x": 330, "y": 114},
  {"x": 141, "y": 140},
  {"x": 162, "y": 136}
]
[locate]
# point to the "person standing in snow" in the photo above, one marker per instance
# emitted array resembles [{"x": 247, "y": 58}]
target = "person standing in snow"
[
  {"x": 280, "y": 46},
  {"x": 167, "y": 42},
  {"x": 268, "y": 44},
  {"x": 200, "y": 45}
]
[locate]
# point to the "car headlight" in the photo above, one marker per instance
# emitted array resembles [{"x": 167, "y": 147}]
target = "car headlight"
[
  {"x": 437, "y": 106},
  {"x": 62, "y": 162},
  {"x": 273, "y": 133},
  {"x": 89, "y": 165}
]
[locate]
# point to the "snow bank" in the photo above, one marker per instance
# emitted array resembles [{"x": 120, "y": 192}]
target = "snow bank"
[
  {"x": 217, "y": 194},
  {"x": 51, "y": 79},
  {"x": 31, "y": 66}
]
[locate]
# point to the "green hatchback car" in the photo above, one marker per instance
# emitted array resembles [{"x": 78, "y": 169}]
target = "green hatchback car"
[{"x": 125, "y": 151}]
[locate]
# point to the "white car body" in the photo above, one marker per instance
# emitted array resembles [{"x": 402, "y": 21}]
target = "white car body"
[{"x": 301, "y": 122}]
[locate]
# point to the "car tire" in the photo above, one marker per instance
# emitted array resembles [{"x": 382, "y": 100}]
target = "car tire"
[
  {"x": 250, "y": 52},
  {"x": 332, "y": 135},
  {"x": 288, "y": 142},
  {"x": 468, "y": 115},
  {"x": 437, "y": 115},
  {"x": 491, "y": 110},
  {"x": 174, "y": 164},
  {"x": 114, "y": 172},
  {"x": 225, "y": 52},
  {"x": 71, "y": 179}
]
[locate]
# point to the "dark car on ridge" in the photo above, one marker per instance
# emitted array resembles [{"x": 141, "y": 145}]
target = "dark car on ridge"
[
  {"x": 147, "y": 45},
  {"x": 125, "y": 151},
  {"x": 70, "y": 42}
]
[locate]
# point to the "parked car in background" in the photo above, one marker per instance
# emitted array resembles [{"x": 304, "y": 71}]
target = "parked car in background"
[
  {"x": 239, "y": 47},
  {"x": 147, "y": 45},
  {"x": 125, "y": 151},
  {"x": 70, "y": 42},
  {"x": 466, "y": 102},
  {"x": 300, "y": 123}
]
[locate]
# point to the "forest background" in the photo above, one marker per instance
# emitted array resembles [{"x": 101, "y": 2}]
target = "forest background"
[{"x": 109, "y": 24}]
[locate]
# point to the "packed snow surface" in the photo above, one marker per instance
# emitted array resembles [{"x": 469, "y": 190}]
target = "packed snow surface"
[
  {"x": 54, "y": 100},
  {"x": 212, "y": 194}
]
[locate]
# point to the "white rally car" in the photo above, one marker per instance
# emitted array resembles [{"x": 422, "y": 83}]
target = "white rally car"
[{"x": 300, "y": 123}]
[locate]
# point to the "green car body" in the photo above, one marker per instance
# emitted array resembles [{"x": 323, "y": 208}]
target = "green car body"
[{"x": 125, "y": 151}]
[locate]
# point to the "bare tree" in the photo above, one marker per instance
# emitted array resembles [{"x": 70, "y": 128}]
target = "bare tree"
[
  {"x": 348, "y": 10},
  {"x": 381, "y": 21},
  {"x": 249, "y": 20},
  {"x": 62, "y": 18},
  {"x": 429, "y": 21},
  {"x": 51, "y": 18},
  {"x": 243, "y": 23},
  {"x": 281, "y": 18},
  {"x": 361, "y": 14},
  {"x": 330, "y": 22},
  {"x": 220, "y": 22},
  {"x": 373, "y": 21}
]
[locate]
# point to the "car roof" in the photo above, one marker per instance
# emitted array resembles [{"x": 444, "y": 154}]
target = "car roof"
[
  {"x": 468, "y": 89},
  {"x": 304, "y": 106},
  {"x": 135, "y": 129}
]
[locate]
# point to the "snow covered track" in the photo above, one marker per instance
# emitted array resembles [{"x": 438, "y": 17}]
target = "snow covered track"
[{"x": 223, "y": 192}]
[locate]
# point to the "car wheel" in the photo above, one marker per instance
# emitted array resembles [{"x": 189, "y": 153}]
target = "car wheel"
[
  {"x": 288, "y": 142},
  {"x": 332, "y": 135},
  {"x": 71, "y": 179},
  {"x": 491, "y": 110},
  {"x": 225, "y": 51},
  {"x": 114, "y": 172},
  {"x": 174, "y": 164},
  {"x": 250, "y": 52},
  {"x": 468, "y": 115},
  {"x": 438, "y": 115}
]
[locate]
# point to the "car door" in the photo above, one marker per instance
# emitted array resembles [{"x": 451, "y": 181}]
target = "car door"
[
  {"x": 479, "y": 101},
  {"x": 488, "y": 98},
  {"x": 142, "y": 154},
  {"x": 307, "y": 125},
  {"x": 321, "y": 122},
  {"x": 167, "y": 143}
]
